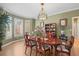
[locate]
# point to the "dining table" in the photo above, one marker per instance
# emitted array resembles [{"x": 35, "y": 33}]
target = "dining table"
[{"x": 52, "y": 42}]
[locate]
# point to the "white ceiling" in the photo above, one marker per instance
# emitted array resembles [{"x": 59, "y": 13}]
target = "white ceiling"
[{"x": 31, "y": 10}]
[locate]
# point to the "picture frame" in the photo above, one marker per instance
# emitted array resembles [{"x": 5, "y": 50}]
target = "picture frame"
[{"x": 63, "y": 22}]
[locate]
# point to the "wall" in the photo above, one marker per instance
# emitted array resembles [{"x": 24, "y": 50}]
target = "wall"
[
  {"x": 56, "y": 19},
  {"x": 33, "y": 24},
  {"x": 28, "y": 25}
]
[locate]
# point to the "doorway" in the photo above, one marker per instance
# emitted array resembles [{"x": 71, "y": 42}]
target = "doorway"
[{"x": 75, "y": 27}]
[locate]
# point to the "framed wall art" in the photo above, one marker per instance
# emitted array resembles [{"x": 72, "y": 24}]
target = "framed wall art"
[{"x": 63, "y": 22}]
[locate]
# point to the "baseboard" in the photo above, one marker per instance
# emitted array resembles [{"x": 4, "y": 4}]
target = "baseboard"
[{"x": 11, "y": 43}]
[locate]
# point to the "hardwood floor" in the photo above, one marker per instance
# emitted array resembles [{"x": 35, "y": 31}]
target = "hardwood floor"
[
  {"x": 17, "y": 49},
  {"x": 75, "y": 49}
]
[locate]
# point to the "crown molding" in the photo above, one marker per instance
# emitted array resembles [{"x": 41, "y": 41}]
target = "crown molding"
[{"x": 65, "y": 11}]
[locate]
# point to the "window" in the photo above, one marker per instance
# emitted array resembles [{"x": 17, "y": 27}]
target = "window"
[
  {"x": 9, "y": 29},
  {"x": 18, "y": 27}
]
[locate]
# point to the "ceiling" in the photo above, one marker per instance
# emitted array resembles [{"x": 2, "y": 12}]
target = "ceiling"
[{"x": 31, "y": 10}]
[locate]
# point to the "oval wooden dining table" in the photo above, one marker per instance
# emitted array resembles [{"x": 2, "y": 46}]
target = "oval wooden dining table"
[{"x": 52, "y": 42}]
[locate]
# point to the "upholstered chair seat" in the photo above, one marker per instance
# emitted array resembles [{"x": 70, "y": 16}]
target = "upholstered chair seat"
[
  {"x": 65, "y": 48},
  {"x": 32, "y": 43}
]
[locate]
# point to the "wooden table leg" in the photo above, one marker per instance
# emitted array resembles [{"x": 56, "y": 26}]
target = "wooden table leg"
[{"x": 55, "y": 49}]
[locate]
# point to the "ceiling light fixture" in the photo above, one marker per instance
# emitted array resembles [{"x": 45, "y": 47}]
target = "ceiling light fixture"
[{"x": 42, "y": 15}]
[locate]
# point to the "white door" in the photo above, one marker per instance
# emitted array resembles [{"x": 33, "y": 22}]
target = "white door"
[
  {"x": 75, "y": 27},
  {"x": 78, "y": 28}
]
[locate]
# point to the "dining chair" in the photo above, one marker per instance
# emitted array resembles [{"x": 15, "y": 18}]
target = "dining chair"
[
  {"x": 29, "y": 43},
  {"x": 65, "y": 49},
  {"x": 42, "y": 48}
]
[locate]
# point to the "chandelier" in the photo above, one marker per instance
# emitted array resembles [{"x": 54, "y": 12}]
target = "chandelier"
[{"x": 42, "y": 15}]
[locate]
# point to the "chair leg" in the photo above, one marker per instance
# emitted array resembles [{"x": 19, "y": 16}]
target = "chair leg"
[
  {"x": 25, "y": 50},
  {"x": 36, "y": 53},
  {"x": 45, "y": 53},
  {"x": 56, "y": 53},
  {"x": 55, "y": 50},
  {"x": 31, "y": 51},
  {"x": 41, "y": 54},
  {"x": 36, "y": 50},
  {"x": 49, "y": 52},
  {"x": 69, "y": 54}
]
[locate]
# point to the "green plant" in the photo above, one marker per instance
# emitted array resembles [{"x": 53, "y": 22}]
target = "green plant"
[
  {"x": 38, "y": 32},
  {"x": 4, "y": 20}
]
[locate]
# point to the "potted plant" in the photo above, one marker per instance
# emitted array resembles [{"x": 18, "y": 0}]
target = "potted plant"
[{"x": 4, "y": 20}]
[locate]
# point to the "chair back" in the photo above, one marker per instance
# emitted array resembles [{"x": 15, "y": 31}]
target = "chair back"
[
  {"x": 39, "y": 43},
  {"x": 71, "y": 41},
  {"x": 26, "y": 39}
]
